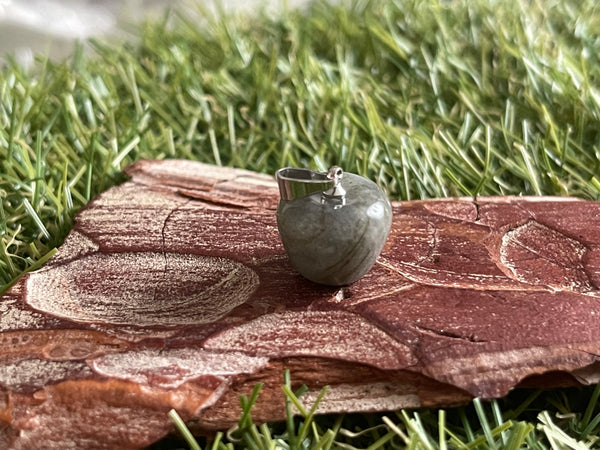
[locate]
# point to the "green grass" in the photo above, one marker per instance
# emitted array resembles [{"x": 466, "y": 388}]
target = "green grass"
[
  {"x": 429, "y": 98},
  {"x": 531, "y": 419}
]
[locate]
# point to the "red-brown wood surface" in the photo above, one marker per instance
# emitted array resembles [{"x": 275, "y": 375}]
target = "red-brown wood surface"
[{"x": 173, "y": 291}]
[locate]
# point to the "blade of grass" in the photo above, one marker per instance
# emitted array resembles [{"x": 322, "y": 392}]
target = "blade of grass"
[{"x": 183, "y": 430}]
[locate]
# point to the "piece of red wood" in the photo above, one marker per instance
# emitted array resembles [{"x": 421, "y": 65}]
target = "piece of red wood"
[{"x": 173, "y": 291}]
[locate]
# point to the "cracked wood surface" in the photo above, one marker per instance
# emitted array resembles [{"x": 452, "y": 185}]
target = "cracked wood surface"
[{"x": 173, "y": 291}]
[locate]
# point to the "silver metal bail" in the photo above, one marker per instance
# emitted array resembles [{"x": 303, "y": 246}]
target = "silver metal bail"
[{"x": 297, "y": 183}]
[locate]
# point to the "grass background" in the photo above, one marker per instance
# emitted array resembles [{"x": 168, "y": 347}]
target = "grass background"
[{"x": 430, "y": 98}]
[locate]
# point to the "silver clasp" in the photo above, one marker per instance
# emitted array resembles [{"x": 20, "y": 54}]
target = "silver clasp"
[{"x": 297, "y": 183}]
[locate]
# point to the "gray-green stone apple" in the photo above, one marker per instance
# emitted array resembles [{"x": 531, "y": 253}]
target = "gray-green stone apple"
[{"x": 332, "y": 229}]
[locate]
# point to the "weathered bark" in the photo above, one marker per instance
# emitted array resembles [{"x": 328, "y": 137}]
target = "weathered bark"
[{"x": 173, "y": 291}]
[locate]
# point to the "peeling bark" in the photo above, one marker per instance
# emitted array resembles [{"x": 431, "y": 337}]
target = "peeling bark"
[{"x": 173, "y": 291}]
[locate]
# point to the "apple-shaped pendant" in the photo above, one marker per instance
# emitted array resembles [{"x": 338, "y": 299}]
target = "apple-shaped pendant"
[{"x": 332, "y": 230}]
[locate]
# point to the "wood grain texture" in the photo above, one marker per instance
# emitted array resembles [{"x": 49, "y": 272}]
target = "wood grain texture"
[{"x": 173, "y": 291}]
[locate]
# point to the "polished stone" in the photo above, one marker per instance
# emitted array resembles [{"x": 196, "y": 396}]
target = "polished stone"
[{"x": 333, "y": 244}]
